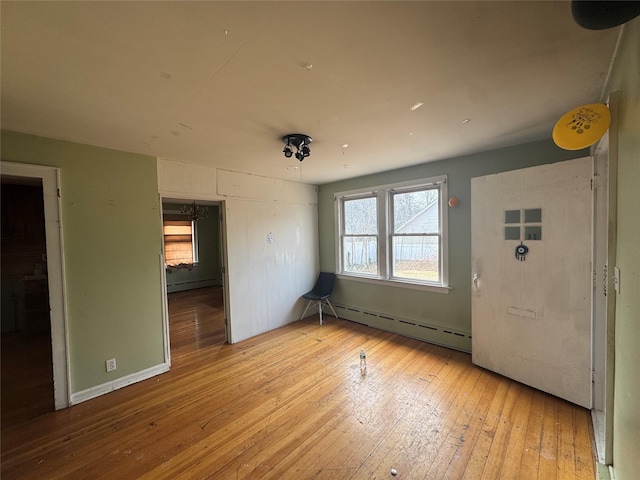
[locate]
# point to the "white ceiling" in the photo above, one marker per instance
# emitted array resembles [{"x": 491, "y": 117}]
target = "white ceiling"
[{"x": 219, "y": 83}]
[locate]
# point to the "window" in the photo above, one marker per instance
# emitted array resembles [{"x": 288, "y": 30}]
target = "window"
[
  {"x": 180, "y": 245},
  {"x": 360, "y": 238},
  {"x": 527, "y": 224},
  {"x": 394, "y": 234}
]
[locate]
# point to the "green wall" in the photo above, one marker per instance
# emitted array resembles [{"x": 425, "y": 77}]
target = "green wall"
[
  {"x": 112, "y": 241},
  {"x": 626, "y": 408},
  {"x": 454, "y": 309},
  {"x": 207, "y": 272}
]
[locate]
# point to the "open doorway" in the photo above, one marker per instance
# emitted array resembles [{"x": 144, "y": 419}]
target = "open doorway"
[
  {"x": 33, "y": 304},
  {"x": 194, "y": 274},
  {"x": 27, "y": 364},
  {"x": 47, "y": 271}
]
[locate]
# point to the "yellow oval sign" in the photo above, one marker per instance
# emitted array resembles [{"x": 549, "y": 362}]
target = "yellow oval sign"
[{"x": 582, "y": 126}]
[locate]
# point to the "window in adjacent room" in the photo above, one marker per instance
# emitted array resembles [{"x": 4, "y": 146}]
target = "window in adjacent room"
[
  {"x": 180, "y": 242},
  {"x": 394, "y": 233}
]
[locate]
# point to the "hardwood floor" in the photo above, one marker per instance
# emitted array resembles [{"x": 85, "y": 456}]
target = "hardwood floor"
[
  {"x": 196, "y": 319},
  {"x": 27, "y": 377},
  {"x": 292, "y": 404}
]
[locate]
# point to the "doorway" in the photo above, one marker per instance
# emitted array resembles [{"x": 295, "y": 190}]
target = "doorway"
[
  {"x": 34, "y": 359},
  {"x": 193, "y": 246},
  {"x": 27, "y": 365}
]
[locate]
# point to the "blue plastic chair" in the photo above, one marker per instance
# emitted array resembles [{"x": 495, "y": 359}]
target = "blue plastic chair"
[{"x": 319, "y": 296}]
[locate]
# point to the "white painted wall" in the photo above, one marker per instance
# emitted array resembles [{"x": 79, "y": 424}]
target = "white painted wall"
[{"x": 265, "y": 279}]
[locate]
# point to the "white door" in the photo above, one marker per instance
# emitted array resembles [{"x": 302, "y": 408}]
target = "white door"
[{"x": 531, "y": 314}]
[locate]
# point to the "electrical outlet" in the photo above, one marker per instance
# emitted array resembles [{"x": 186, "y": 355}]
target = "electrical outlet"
[{"x": 111, "y": 365}]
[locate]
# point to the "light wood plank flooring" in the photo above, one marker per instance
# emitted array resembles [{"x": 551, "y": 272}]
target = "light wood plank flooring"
[
  {"x": 27, "y": 377},
  {"x": 292, "y": 404}
]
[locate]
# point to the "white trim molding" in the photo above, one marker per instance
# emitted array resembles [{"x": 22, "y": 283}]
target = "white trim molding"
[{"x": 108, "y": 387}]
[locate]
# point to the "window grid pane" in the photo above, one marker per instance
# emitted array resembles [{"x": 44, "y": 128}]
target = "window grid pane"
[
  {"x": 533, "y": 215},
  {"x": 416, "y": 257},
  {"x": 177, "y": 253},
  {"x": 177, "y": 229},
  {"x": 360, "y": 254},
  {"x": 512, "y": 233},
  {"x": 416, "y": 211},
  {"x": 512, "y": 216},
  {"x": 361, "y": 216},
  {"x": 532, "y": 233}
]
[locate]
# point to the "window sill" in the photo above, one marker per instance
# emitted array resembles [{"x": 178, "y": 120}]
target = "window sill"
[
  {"x": 396, "y": 283},
  {"x": 182, "y": 266}
]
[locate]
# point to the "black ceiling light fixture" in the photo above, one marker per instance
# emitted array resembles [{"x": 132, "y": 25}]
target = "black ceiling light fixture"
[{"x": 298, "y": 140}]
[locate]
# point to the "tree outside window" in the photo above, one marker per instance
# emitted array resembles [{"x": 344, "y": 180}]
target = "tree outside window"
[{"x": 360, "y": 241}]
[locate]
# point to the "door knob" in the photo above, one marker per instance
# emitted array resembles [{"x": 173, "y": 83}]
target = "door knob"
[{"x": 475, "y": 280}]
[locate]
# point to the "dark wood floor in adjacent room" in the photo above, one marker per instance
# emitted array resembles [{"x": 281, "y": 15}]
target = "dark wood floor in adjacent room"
[{"x": 292, "y": 404}]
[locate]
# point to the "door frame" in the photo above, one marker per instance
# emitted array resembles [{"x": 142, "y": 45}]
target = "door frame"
[
  {"x": 50, "y": 177},
  {"x": 605, "y": 165},
  {"x": 225, "y": 274}
]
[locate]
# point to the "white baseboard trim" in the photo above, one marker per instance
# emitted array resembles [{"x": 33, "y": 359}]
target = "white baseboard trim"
[
  {"x": 598, "y": 422},
  {"x": 118, "y": 383},
  {"x": 604, "y": 472}
]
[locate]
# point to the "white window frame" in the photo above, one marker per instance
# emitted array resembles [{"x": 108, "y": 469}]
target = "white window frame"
[{"x": 383, "y": 195}]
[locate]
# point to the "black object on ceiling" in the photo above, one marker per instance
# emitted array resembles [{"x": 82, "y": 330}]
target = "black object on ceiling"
[
  {"x": 298, "y": 140},
  {"x": 600, "y": 15}
]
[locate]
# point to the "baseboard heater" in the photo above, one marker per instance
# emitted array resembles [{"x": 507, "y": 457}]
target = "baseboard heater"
[
  {"x": 428, "y": 332},
  {"x": 192, "y": 284}
]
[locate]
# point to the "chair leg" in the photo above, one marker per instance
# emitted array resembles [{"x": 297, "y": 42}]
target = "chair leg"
[
  {"x": 319, "y": 306},
  {"x": 306, "y": 308},
  {"x": 333, "y": 309}
]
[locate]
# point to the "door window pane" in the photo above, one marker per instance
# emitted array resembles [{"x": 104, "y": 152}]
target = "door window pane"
[
  {"x": 512, "y": 233},
  {"x": 533, "y": 233},
  {"x": 533, "y": 215},
  {"x": 512, "y": 216}
]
